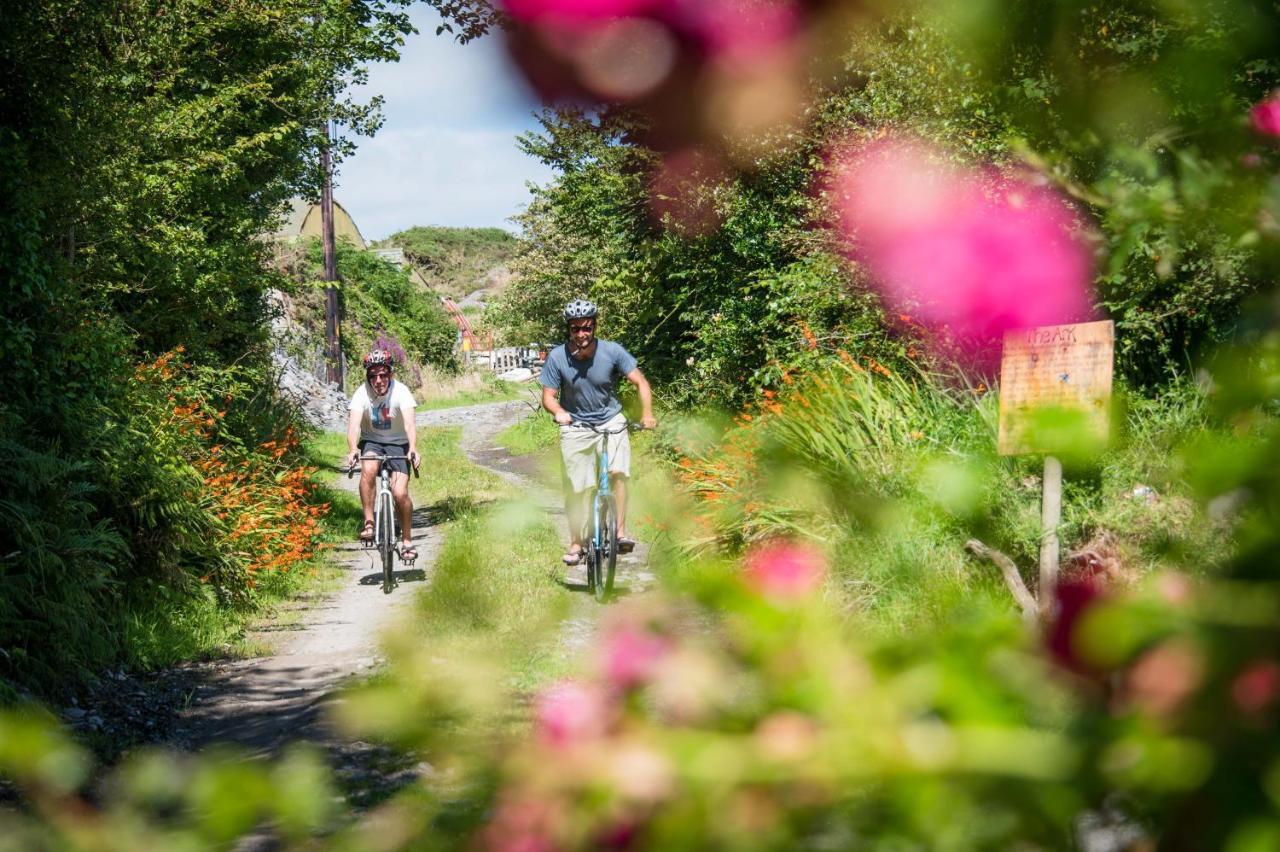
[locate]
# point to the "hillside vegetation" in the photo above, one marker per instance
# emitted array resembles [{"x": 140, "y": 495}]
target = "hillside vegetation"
[{"x": 458, "y": 261}]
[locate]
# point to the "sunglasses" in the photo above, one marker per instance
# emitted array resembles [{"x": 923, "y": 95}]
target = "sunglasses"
[
  {"x": 379, "y": 374},
  {"x": 574, "y": 329}
]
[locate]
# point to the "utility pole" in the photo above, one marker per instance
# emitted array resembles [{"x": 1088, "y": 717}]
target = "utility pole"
[{"x": 333, "y": 344}]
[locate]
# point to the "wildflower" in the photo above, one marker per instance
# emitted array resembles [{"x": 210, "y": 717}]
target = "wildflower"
[
  {"x": 785, "y": 570},
  {"x": 1265, "y": 115},
  {"x": 809, "y": 337},
  {"x": 570, "y": 712}
]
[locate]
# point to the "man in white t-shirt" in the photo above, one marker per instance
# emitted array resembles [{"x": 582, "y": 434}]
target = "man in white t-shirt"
[{"x": 381, "y": 424}]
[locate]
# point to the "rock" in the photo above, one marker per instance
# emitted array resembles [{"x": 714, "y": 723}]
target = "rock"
[
  {"x": 1145, "y": 493},
  {"x": 322, "y": 404}
]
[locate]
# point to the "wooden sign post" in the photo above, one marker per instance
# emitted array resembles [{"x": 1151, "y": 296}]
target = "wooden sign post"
[{"x": 1061, "y": 371}]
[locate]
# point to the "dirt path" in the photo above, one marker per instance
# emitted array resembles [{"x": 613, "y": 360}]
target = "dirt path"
[
  {"x": 261, "y": 704},
  {"x": 265, "y": 703}
]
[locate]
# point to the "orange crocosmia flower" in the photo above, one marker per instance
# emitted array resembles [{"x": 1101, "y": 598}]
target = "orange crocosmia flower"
[{"x": 768, "y": 394}]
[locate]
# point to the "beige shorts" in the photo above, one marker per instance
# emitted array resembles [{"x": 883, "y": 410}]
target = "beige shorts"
[{"x": 578, "y": 450}]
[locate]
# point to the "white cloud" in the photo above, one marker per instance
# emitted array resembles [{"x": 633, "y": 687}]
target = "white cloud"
[{"x": 446, "y": 154}]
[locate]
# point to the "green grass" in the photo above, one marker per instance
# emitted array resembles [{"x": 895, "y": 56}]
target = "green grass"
[
  {"x": 530, "y": 435},
  {"x": 498, "y": 391},
  {"x": 491, "y": 582}
]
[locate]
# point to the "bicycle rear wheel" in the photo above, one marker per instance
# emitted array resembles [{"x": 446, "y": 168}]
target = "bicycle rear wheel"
[{"x": 386, "y": 536}]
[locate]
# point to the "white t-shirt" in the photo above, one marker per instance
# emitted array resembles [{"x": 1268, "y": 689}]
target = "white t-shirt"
[{"x": 382, "y": 417}]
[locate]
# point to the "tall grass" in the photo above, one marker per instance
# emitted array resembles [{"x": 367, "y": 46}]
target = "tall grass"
[{"x": 893, "y": 472}]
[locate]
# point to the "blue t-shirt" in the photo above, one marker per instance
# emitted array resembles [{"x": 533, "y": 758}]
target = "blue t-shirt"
[{"x": 588, "y": 387}]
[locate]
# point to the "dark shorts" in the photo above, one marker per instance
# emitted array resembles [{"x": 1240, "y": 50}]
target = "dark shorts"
[{"x": 380, "y": 449}]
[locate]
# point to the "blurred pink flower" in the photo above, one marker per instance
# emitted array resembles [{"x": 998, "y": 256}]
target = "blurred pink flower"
[
  {"x": 1265, "y": 115},
  {"x": 785, "y": 570},
  {"x": 681, "y": 191},
  {"x": 1075, "y": 597},
  {"x": 584, "y": 10},
  {"x": 1257, "y": 687},
  {"x": 631, "y": 655},
  {"x": 970, "y": 250},
  {"x": 569, "y": 712},
  {"x": 737, "y": 31}
]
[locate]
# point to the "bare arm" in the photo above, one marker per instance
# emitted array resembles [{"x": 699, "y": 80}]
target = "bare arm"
[
  {"x": 646, "y": 398},
  {"x": 411, "y": 432},
  {"x": 353, "y": 436},
  {"x": 551, "y": 402}
]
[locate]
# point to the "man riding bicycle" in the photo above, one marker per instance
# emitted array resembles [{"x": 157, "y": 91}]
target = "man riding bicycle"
[
  {"x": 382, "y": 424},
  {"x": 579, "y": 385}
]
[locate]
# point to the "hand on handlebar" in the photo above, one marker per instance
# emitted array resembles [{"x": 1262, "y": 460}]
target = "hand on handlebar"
[
  {"x": 353, "y": 459},
  {"x": 563, "y": 417},
  {"x": 649, "y": 422}
]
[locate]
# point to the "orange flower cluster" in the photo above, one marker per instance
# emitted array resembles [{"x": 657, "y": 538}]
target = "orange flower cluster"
[
  {"x": 259, "y": 500},
  {"x": 270, "y": 522}
]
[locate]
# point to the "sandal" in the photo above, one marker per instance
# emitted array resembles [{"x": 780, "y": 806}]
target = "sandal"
[
  {"x": 366, "y": 532},
  {"x": 572, "y": 557},
  {"x": 626, "y": 545},
  {"x": 408, "y": 553}
]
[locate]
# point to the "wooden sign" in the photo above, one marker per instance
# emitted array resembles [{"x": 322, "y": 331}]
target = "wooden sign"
[{"x": 1061, "y": 371}]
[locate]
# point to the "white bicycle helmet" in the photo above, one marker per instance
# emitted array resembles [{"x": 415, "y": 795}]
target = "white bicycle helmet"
[{"x": 580, "y": 309}]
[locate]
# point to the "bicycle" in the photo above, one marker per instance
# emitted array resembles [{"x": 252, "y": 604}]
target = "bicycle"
[
  {"x": 384, "y": 520},
  {"x": 601, "y": 551}
]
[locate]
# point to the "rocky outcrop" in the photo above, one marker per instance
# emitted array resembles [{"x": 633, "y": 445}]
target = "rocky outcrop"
[
  {"x": 322, "y": 404},
  {"x": 299, "y": 361}
]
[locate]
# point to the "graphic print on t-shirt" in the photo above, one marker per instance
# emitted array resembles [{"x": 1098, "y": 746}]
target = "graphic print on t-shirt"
[{"x": 380, "y": 415}]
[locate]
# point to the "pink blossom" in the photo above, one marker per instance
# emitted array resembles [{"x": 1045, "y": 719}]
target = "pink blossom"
[
  {"x": 737, "y": 31},
  {"x": 631, "y": 655},
  {"x": 583, "y": 10},
  {"x": 1257, "y": 687},
  {"x": 681, "y": 191},
  {"x": 965, "y": 249},
  {"x": 785, "y": 570},
  {"x": 1265, "y": 115},
  {"x": 570, "y": 712}
]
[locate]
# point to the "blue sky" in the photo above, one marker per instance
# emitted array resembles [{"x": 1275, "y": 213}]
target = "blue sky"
[{"x": 446, "y": 154}]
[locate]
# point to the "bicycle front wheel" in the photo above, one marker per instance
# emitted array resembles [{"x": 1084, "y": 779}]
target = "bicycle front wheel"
[
  {"x": 386, "y": 535},
  {"x": 608, "y": 546}
]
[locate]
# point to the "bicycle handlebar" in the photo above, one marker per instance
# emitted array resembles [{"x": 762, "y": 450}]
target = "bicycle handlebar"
[
  {"x": 629, "y": 427},
  {"x": 352, "y": 470}
]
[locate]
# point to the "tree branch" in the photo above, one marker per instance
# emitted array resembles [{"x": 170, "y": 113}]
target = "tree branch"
[{"x": 1012, "y": 579}]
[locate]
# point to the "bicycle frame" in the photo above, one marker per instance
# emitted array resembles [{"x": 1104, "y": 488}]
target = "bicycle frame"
[{"x": 602, "y": 547}]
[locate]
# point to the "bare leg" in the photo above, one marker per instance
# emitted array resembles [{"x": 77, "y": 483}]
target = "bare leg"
[
  {"x": 575, "y": 510},
  {"x": 619, "y": 485},
  {"x": 404, "y": 505},
  {"x": 368, "y": 482}
]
